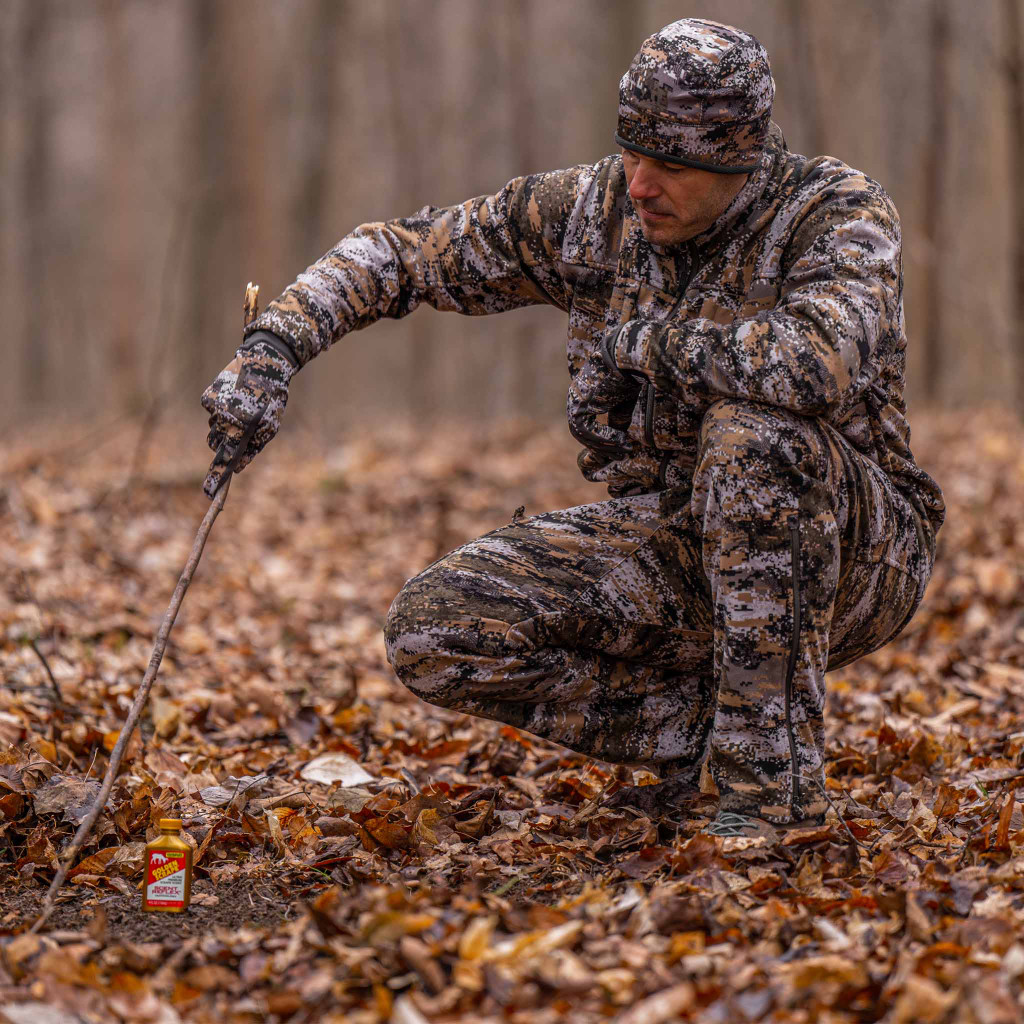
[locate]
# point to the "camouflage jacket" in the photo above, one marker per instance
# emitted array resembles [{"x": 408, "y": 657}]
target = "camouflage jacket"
[{"x": 793, "y": 297}]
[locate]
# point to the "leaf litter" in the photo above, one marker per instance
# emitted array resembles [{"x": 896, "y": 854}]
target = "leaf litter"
[{"x": 363, "y": 857}]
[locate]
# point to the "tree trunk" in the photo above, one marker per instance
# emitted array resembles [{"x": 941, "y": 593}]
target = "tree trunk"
[
  {"x": 310, "y": 200},
  {"x": 1015, "y": 83},
  {"x": 37, "y": 121},
  {"x": 935, "y": 183},
  {"x": 203, "y": 350},
  {"x": 798, "y": 15},
  {"x": 412, "y": 31}
]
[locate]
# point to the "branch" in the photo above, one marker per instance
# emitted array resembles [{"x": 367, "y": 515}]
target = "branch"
[
  {"x": 138, "y": 704},
  {"x": 53, "y": 682}
]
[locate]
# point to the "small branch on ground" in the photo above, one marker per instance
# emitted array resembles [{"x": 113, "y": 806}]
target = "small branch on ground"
[{"x": 49, "y": 673}]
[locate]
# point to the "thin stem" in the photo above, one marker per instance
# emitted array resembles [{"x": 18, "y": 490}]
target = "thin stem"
[
  {"x": 53, "y": 682},
  {"x": 138, "y": 704}
]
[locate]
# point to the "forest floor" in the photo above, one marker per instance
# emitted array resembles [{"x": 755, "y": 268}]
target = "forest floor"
[{"x": 442, "y": 868}]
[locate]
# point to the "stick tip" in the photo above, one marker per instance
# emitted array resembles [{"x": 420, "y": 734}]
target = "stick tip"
[{"x": 251, "y": 305}]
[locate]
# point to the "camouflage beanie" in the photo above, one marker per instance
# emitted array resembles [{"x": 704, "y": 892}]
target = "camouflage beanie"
[{"x": 698, "y": 93}]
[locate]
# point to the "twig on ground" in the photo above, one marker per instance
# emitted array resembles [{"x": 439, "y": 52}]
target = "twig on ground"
[
  {"x": 88, "y": 771},
  {"x": 550, "y": 762},
  {"x": 27, "y": 585},
  {"x": 137, "y": 705},
  {"x": 960, "y": 857},
  {"x": 134, "y": 713},
  {"x": 487, "y": 793},
  {"x": 295, "y": 797},
  {"x": 804, "y": 778},
  {"x": 49, "y": 673},
  {"x": 510, "y": 884}
]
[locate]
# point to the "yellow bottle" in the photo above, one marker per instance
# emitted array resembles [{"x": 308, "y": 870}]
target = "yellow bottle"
[{"x": 168, "y": 884}]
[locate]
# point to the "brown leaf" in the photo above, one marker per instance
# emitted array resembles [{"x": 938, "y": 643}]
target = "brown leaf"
[
  {"x": 473, "y": 822},
  {"x": 67, "y": 793},
  {"x": 12, "y": 805},
  {"x": 388, "y": 834},
  {"x": 96, "y": 863}
]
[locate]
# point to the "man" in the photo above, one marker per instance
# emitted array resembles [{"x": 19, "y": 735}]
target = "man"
[{"x": 736, "y": 351}]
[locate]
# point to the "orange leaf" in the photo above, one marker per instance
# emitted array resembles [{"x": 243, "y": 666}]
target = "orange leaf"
[
  {"x": 45, "y": 749},
  {"x": 12, "y": 805},
  {"x": 95, "y": 863}
]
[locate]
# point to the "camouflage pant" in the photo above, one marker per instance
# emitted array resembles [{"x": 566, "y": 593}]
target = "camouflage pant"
[{"x": 672, "y": 628}]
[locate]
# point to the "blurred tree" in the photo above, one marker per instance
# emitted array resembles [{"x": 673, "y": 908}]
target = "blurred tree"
[
  {"x": 518, "y": 28},
  {"x": 318, "y": 102},
  {"x": 32, "y": 80},
  {"x": 799, "y": 24},
  {"x": 126, "y": 271},
  {"x": 217, "y": 141},
  {"x": 1015, "y": 82},
  {"x": 410, "y": 66},
  {"x": 931, "y": 289},
  {"x": 209, "y": 191}
]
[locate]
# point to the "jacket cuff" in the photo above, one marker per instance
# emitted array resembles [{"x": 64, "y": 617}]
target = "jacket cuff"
[
  {"x": 625, "y": 348},
  {"x": 281, "y": 346}
]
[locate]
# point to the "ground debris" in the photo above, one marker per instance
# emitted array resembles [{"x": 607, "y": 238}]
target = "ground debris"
[{"x": 363, "y": 857}]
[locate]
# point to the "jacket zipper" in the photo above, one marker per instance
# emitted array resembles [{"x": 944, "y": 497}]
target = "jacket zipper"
[
  {"x": 794, "y": 538},
  {"x": 649, "y": 414},
  {"x": 650, "y": 395}
]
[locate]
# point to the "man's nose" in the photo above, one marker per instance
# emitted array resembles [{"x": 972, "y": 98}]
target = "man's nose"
[{"x": 644, "y": 184}]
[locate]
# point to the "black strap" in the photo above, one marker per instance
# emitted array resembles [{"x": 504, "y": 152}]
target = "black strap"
[{"x": 277, "y": 343}]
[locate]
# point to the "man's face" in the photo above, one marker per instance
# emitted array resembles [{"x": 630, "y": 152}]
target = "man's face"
[{"x": 674, "y": 202}]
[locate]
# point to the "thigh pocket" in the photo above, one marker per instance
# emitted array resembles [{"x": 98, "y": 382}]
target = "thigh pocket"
[
  {"x": 874, "y": 601},
  {"x": 883, "y": 525}
]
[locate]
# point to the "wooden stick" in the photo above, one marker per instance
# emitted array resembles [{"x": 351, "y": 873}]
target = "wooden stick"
[{"x": 251, "y": 293}]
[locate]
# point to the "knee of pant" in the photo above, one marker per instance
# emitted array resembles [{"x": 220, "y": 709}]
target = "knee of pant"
[
  {"x": 406, "y": 640},
  {"x": 416, "y": 643},
  {"x": 746, "y": 436}
]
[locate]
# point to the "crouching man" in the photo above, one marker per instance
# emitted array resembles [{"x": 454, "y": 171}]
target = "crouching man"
[{"x": 736, "y": 355}]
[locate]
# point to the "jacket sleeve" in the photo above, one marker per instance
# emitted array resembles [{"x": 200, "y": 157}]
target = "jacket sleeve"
[
  {"x": 814, "y": 350},
  {"x": 485, "y": 255}
]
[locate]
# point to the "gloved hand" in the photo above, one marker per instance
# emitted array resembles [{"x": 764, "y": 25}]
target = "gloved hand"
[
  {"x": 255, "y": 380},
  {"x": 600, "y": 405}
]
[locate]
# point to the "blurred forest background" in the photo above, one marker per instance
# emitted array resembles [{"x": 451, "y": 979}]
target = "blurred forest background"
[{"x": 158, "y": 155}]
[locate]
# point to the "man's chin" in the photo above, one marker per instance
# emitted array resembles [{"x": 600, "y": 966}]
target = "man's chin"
[{"x": 664, "y": 235}]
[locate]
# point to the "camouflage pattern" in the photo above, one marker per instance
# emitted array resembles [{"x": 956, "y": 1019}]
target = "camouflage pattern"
[
  {"x": 698, "y": 93},
  {"x": 652, "y": 630},
  {"x": 808, "y": 252},
  {"x": 767, "y": 517},
  {"x": 255, "y": 380}
]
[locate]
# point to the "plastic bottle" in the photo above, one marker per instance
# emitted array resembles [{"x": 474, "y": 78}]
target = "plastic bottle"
[{"x": 168, "y": 884}]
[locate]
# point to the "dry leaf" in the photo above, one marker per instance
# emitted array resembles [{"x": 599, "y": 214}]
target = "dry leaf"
[{"x": 335, "y": 767}]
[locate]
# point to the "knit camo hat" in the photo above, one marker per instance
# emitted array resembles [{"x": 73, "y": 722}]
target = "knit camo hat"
[{"x": 698, "y": 93}]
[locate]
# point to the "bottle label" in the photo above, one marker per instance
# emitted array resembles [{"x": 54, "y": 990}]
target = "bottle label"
[{"x": 165, "y": 878}]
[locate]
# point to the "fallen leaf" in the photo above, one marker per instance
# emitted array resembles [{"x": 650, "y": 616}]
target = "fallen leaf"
[{"x": 335, "y": 767}]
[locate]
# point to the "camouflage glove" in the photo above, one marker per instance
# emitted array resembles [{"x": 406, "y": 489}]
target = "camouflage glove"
[
  {"x": 255, "y": 380},
  {"x": 600, "y": 406}
]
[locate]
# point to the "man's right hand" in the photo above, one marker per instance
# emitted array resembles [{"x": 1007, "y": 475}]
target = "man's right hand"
[{"x": 256, "y": 379}]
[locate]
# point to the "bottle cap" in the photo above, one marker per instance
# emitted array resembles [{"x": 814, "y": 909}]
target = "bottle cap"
[{"x": 170, "y": 822}]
